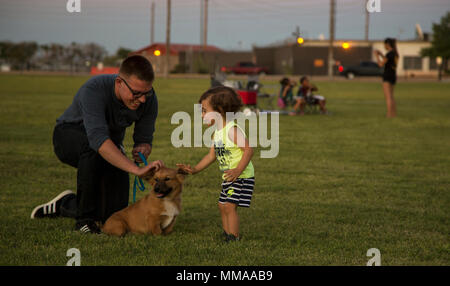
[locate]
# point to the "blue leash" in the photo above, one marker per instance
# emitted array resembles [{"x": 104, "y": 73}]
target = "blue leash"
[{"x": 138, "y": 183}]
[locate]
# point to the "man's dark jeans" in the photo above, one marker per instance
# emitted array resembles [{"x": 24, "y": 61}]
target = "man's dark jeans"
[{"x": 102, "y": 189}]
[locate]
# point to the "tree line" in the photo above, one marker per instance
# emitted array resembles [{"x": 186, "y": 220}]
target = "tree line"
[
  {"x": 73, "y": 57},
  {"x": 440, "y": 45}
]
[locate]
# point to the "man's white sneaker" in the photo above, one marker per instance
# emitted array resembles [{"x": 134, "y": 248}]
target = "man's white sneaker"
[{"x": 51, "y": 209}]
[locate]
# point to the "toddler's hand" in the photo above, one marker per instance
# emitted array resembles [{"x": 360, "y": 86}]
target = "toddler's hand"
[
  {"x": 186, "y": 168},
  {"x": 232, "y": 174}
]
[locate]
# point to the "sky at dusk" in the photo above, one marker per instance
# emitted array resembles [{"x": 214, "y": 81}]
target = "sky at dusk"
[{"x": 233, "y": 24}]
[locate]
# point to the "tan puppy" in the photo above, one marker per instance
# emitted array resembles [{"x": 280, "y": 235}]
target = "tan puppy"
[{"x": 156, "y": 212}]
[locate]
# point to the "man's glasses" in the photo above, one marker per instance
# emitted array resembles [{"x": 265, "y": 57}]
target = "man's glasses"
[{"x": 138, "y": 94}]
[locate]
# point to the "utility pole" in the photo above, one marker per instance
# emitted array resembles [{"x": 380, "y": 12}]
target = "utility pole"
[
  {"x": 152, "y": 24},
  {"x": 202, "y": 6},
  {"x": 330, "y": 47},
  {"x": 205, "y": 24},
  {"x": 366, "y": 32},
  {"x": 296, "y": 34},
  {"x": 167, "y": 68}
]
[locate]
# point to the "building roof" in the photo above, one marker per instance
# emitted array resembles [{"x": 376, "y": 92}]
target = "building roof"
[{"x": 176, "y": 48}]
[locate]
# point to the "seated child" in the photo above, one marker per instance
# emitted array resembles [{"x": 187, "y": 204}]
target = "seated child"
[
  {"x": 286, "y": 93},
  {"x": 304, "y": 96}
]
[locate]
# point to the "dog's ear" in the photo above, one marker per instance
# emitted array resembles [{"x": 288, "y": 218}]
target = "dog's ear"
[
  {"x": 181, "y": 174},
  {"x": 149, "y": 175}
]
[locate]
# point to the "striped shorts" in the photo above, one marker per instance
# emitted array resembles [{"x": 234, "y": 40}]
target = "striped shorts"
[{"x": 238, "y": 192}]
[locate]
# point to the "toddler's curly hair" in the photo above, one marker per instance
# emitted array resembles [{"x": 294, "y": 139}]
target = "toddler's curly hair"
[{"x": 222, "y": 99}]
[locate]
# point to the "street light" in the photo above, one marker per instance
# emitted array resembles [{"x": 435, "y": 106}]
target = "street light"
[
  {"x": 345, "y": 45},
  {"x": 439, "y": 63},
  {"x": 300, "y": 40},
  {"x": 157, "y": 53}
]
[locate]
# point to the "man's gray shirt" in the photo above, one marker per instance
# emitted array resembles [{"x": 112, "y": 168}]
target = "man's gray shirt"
[{"x": 96, "y": 107}]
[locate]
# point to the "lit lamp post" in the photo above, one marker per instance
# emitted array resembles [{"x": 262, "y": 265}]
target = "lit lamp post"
[
  {"x": 157, "y": 63},
  {"x": 439, "y": 64},
  {"x": 345, "y": 46}
]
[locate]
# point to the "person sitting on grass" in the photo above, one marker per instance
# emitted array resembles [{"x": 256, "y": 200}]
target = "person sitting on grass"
[
  {"x": 305, "y": 96},
  {"x": 286, "y": 93},
  {"x": 232, "y": 151}
]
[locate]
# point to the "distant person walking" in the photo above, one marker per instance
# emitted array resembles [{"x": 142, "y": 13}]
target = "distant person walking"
[{"x": 389, "y": 61}]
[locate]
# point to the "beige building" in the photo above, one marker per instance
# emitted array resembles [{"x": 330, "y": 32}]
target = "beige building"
[{"x": 410, "y": 62}]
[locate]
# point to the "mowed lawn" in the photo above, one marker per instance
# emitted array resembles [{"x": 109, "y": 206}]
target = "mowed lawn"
[{"x": 341, "y": 184}]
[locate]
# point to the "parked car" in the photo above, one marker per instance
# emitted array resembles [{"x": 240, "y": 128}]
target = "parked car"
[
  {"x": 363, "y": 69},
  {"x": 245, "y": 68}
]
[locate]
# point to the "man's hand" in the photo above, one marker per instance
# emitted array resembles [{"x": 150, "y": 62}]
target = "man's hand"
[
  {"x": 144, "y": 148},
  {"x": 142, "y": 170},
  {"x": 232, "y": 174}
]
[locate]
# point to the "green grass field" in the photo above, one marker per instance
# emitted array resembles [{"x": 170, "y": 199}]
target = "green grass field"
[{"x": 340, "y": 185}]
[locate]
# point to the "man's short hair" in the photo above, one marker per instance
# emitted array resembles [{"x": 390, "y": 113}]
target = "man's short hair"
[
  {"x": 303, "y": 78},
  {"x": 138, "y": 66}
]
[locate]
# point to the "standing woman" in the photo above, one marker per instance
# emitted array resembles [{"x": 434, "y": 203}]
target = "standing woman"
[{"x": 389, "y": 75}]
